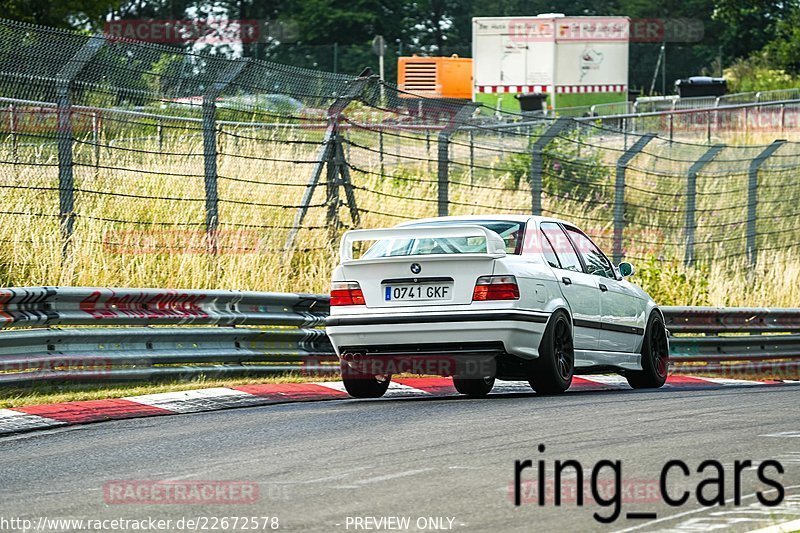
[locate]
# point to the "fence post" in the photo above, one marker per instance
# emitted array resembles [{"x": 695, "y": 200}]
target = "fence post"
[
  {"x": 332, "y": 187},
  {"x": 96, "y": 142},
  {"x": 327, "y": 150},
  {"x": 345, "y": 181},
  {"x": 537, "y": 160},
  {"x": 443, "y": 179},
  {"x": 624, "y": 128},
  {"x": 746, "y": 123},
  {"x": 428, "y": 149},
  {"x": 380, "y": 148},
  {"x": 443, "y": 183},
  {"x": 471, "y": 157},
  {"x": 12, "y": 124},
  {"x": 210, "y": 148},
  {"x": 160, "y": 133},
  {"x": 752, "y": 197},
  {"x": 619, "y": 192},
  {"x": 210, "y": 165},
  {"x": 66, "y": 178},
  {"x": 691, "y": 198},
  {"x": 671, "y": 123}
]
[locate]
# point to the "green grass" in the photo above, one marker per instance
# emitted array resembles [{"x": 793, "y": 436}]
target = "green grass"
[{"x": 21, "y": 396}]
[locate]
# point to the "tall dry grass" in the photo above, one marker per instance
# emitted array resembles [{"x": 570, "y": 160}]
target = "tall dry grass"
[{"x": 140, "y": 212}]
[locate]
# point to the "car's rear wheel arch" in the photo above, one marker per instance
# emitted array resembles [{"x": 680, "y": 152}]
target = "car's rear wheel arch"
[
  {"x": 553, "y": 370},
  {"x": 655, "y": 354},
  {"x": 563, "y": 309}
]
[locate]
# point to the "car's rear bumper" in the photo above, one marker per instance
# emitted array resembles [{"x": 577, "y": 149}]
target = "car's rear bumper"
[{"x": 465, "y": 333}]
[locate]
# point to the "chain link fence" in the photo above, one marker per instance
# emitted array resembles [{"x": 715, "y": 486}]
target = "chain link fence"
[{"x": 126, "y": 164}]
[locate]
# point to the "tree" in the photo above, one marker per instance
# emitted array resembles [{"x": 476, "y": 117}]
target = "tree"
[
  {"x": 73, "y": 14},
  {"x": 783, "y": 51},
  {"x": 747, "y": 26}
]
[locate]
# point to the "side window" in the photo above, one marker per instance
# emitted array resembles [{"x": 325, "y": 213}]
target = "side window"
[
  {"x": 548, "y": 253},
  {"x": 563, "y": 248},
  {"x": 596, "y": 263}
]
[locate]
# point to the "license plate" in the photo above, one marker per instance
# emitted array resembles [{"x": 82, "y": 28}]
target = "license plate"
[{"x": 417, "y": 292}]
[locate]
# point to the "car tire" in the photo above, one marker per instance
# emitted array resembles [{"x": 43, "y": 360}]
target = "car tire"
[
  {"x": 473, "y": 387},
  {"x": 361, "y": 385},
  {"x": 655, "y": 357},
  {"x": 552, "y": 371}
]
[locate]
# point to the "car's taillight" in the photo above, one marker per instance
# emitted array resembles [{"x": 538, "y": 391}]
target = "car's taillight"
[
  {"x": 346, "y": 293},
  {"x": 495, "y": 288}
]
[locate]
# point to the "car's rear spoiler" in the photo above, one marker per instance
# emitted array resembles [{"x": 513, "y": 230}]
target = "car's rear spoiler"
[{"x": 495, "y": 246}]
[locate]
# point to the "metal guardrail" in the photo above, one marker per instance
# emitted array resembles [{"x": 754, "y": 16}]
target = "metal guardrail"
[
  {"x": 768, "y": 116},
  {"x": 87, "y": 306},
  {"x": 211, "y": 333},
  {"x": 669, "y": 103},
  {"x": 44, "y": 352},
  {"x": 735, "y": 341}
]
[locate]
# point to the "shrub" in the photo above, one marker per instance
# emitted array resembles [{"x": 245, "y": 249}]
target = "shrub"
[
  {"x": 570, "y": 169},
  {"x": 671, "y": 283}
]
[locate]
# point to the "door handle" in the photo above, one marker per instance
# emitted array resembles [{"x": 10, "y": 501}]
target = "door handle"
[
  {"x": 566, "y": 281},
  {"x": 603, "y": 288}
]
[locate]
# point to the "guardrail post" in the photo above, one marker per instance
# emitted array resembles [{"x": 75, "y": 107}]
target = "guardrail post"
[
  {"x": 619, "y": 192},
  {"x": 443, "y": 179},
  {"x": 752, "y": 197},
  {"x": 691, "y": 198},
  {"x": 210, "y": 148},
  {"x": 66, "y": 179},
  {"x": 327, "y": 152},
  {"x": 537, "y": 160}
]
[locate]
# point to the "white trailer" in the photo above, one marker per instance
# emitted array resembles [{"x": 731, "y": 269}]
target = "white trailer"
[{"x": 551, "y": 54}]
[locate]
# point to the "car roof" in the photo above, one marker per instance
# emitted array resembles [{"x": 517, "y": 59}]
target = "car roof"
[{"x": 468, "y": 218}]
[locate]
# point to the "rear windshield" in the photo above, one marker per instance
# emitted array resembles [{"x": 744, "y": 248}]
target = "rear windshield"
[{"x": 511, "y": 232}]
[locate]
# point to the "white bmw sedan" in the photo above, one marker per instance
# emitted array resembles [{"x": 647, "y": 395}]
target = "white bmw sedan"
[{"x": 481, "y": 298}]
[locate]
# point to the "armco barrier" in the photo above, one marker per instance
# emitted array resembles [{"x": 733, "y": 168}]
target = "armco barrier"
[
  {"x": 735, "y": 341},
  {"x": 211, "y": 333},
  {"x": 84, "y": 306},
  {"x": 43, "y": 351}
]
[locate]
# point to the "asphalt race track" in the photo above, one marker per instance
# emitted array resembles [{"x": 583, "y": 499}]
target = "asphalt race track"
[{"x": 321, "y": 465}]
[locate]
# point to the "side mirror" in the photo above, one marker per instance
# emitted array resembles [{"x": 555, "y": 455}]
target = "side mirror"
[{"x": 625, "y": 269}]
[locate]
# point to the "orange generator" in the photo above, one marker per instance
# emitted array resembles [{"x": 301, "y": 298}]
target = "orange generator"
[{"x": 435, "y": 77}]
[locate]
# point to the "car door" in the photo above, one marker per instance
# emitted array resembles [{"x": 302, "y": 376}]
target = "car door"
[
  {"x": 620, "y": 307},
  {"x": 580, "y": 289}
]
